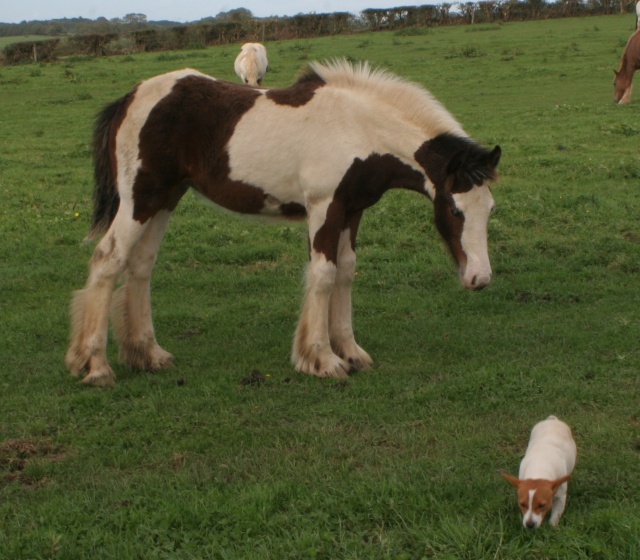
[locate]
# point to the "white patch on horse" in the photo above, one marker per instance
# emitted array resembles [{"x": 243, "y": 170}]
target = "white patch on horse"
[
  {"x": 355, "y": 115},
  {"x": 476, "y": 206}
]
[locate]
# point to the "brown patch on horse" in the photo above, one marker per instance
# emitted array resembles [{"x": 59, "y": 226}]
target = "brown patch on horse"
[
  {"x": 293, "y": 210},
  {"x": 362, "y": 186},
  {"x": 450, "y": 225},
  {"x": 454, "y": 164},
  {"x": 183, "y": 143},
  {"x": 298, "y": 94},
  {"x": 353, "y": 226}
]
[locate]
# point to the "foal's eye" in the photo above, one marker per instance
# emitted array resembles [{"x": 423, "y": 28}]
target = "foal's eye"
[{"x": 455, "y": 212}]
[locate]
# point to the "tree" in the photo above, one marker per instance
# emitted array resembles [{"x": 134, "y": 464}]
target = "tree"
[
  {"x": 238, "y": 15},
  {"x": 134, "y": 20}
]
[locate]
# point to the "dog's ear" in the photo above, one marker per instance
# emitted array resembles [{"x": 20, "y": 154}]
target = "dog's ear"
[
  {"x": 555, "y": 484},
  {"x": 511, "y": 479}
]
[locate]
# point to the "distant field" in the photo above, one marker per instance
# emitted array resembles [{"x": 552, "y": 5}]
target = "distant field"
[
  {"x": 399, "y": 462},
  {"x": 4, "y": 41}
]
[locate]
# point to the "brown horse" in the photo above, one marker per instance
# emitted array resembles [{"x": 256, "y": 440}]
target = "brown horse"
[{"x": 629, "y": 63}]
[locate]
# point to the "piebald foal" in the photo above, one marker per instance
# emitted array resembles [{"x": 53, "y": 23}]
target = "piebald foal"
[{"x": 330, "y": 146}]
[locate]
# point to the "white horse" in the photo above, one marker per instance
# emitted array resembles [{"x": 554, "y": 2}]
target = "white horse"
[
  {"x": 251, "y": 64},
  {"x": 331, "y": 145}
]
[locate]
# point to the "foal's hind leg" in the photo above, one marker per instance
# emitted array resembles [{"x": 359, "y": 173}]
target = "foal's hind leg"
[
  {"x": 131, "y": 306},
  {"x": 343, "y": 342},
  {"x": 90, "y": 306}
]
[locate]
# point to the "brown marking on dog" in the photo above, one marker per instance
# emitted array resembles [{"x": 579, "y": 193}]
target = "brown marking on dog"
[
  {"x": 298, "y": 94},
  {"x": 362, "y": 186}
]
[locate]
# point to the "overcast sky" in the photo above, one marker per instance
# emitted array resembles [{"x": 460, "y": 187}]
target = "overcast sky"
[{"x": 15, "y": 11}]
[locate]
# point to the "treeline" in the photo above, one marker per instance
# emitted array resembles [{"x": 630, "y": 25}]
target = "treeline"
[
  {"x": 134, "y": 33},
  {"x": 82, "y": 26}
]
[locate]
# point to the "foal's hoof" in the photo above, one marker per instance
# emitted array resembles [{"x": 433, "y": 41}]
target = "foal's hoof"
[
  {"x": 142, "y": 357},
  {"x": 322, "y": 363},
  {"x": 355, "y": 356},
  {"x": 336, "y": 371},
  {"x": 103, "y": 377},
  {"x": 360, "y": 362}
]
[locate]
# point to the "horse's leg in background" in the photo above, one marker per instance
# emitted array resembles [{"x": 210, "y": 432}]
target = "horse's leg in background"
[
  {"x": 131, "y": 305},
  {"x": 340, "y": 313},
  {"x": 312, "y": 351},
  {"x": 90, "y": 306}
]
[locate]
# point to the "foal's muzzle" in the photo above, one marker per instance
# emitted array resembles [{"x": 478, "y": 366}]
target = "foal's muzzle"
[{"x": 476, "y": 282}]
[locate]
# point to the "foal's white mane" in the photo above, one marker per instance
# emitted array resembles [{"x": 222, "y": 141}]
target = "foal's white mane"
[{"x": 419, "y": 106}]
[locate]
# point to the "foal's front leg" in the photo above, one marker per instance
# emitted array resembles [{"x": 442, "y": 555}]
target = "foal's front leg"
[
  {"x": 340, "y": 312},
  {"x": 312, "y": 351}
]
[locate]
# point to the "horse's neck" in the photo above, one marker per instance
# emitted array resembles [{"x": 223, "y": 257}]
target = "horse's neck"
[
  {"x": 631, "y": 54},
  {"x": 624, "y": 72}
]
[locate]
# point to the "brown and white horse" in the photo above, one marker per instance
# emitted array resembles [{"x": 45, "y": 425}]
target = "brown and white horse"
[
  {"x": 330, "y": 146},
  {"x": 629, "y": 63}
]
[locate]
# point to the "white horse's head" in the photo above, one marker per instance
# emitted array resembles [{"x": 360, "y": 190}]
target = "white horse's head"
[{"x": 459, "y": 170}]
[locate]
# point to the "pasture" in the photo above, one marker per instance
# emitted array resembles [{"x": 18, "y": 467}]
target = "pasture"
[
  {"x": 4, "y": 41},
  {"x": 231, "y": 454}
]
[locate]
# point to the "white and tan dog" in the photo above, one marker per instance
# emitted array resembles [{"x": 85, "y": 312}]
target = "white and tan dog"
[{"x": 544, "y": 472}]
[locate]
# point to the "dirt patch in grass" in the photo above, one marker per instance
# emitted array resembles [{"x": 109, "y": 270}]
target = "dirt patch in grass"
[{"x": 18, "y": 455}]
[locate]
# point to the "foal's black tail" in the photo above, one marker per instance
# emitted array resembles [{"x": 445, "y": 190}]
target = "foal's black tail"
[{"x": 106, "y": 199}]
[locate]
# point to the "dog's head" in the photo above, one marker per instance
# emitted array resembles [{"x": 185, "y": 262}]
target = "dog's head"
[{"x": 535, "y": 497}]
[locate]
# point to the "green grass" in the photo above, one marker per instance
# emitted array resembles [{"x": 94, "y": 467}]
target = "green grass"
[
  {"x": 396, "y": 463},
  {"x": 4, "y": 41}
]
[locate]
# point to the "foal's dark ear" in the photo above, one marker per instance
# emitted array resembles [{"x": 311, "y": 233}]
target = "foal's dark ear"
[{"x": 494, "y": 156}]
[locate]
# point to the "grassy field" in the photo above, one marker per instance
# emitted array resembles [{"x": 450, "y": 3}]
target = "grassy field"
[
  {"x": 396, "y": 463},
  {"x": 4, "y": 41}
]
